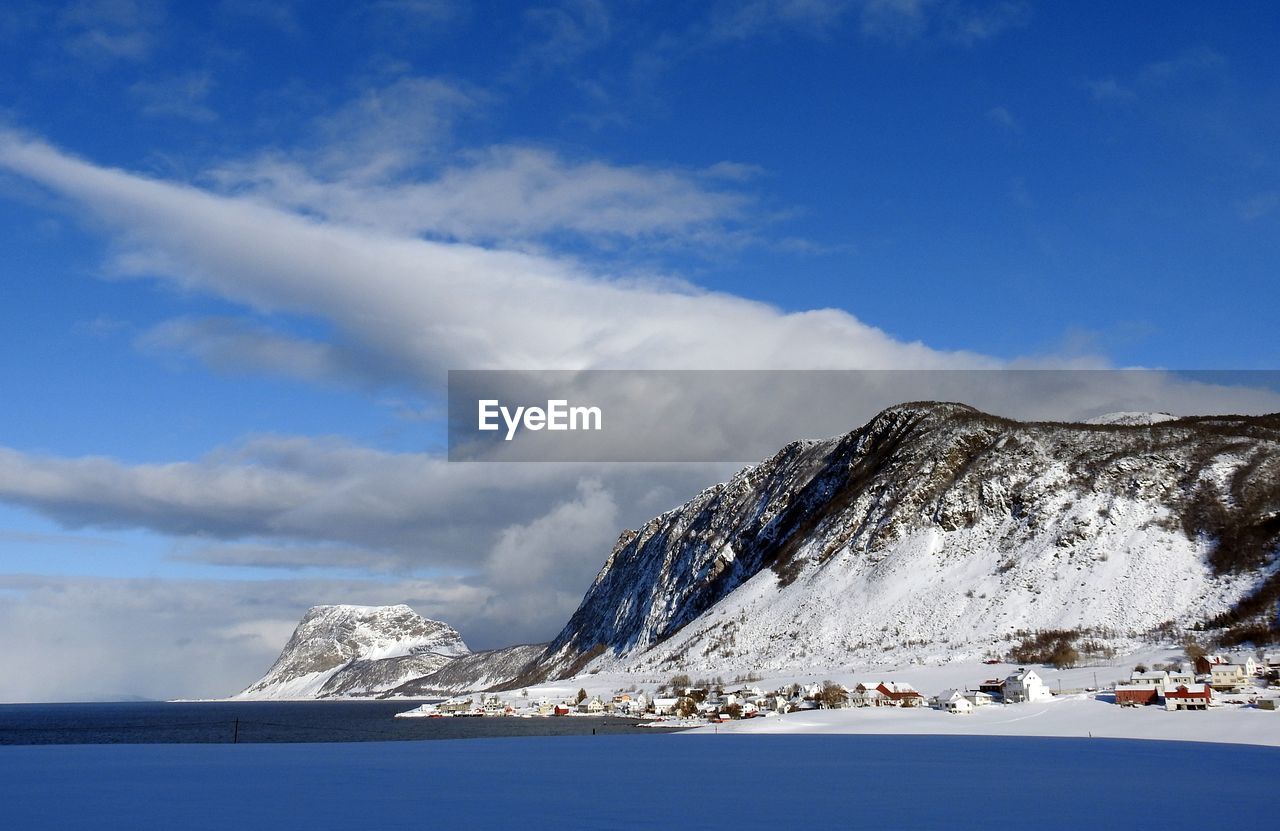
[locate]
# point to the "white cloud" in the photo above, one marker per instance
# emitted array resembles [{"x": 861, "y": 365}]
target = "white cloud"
[
  {"x": 296, "y": 502},
  {"x": 1192, "y": 61},
  {"x": 430, "y": 306},
  {"x": 1258, "y": 205},
  {"x": 970, "y": 24},
  {"x": 414, "y": 15},
  {"x": 182, "y": 96},
  {"x": 540, "y": 569},
  {"x": 894, "y": 19},
  {"x": 1005, "y": 119},
  {"x": 508, "y": 194},
  {"x": 1196, "y": 62},
  {"x": 387, "y": 129},
  {"x": 90, "y": 639},
  {"x": 234, "y": 346},
  {"x": 1108, "y": 89},
  {"x": 111, "y": 29},
  {"x": 738, "y": 21},
  {"x": 561, "y": 33}
]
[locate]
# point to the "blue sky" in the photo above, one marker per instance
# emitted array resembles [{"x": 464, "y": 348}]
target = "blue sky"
[{"x": 191, "y": 376}]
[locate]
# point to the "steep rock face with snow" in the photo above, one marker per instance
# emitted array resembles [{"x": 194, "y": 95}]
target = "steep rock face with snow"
[
  {"x": 936, "y": 532},
  {"x": 490, "y": 669},
  {"x": 357, "y": 650}
]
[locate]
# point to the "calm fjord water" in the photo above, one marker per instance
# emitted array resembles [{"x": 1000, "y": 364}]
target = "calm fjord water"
[{"x": 268, "y": 721}]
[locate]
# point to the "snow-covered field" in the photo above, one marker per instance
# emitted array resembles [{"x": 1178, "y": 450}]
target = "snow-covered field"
[
  {"x": 1070, "y": 716},
  {"x": 640, "y": 782}
]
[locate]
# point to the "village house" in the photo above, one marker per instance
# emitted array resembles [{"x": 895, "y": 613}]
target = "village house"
[
  {"x": 1189, "y": 697},
  {"x": 450, "y": 708},
  {"x": 665, "y": 706},
  {"x": 1154, "y": 678},
  {"x": 1205, "y": 663},
  {"x": 953, "y": 701},
  {"x": 633, "y": 705},
  {"x": 865, "y": 695},
  {"x": 978, "y": 698},
  {"x": 993, "y": 687},
  {"x": 1148, "y": 686},
  {"x": 1137, "y": 693},
  {"x": 900, "y": 694},
  {"x": 1228, "y": 677},
  {"x": 1025, "y": 685}
]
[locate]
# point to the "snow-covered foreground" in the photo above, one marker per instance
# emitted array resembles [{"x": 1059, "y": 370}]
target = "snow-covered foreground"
[
  {"x": 738, "y": 782},
  {"x": 1068, "y": 716}
]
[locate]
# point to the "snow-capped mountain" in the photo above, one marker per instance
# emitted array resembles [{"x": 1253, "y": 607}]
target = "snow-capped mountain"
[
  {"x": 490, "y": 669},
  {"x": 935, "y": 532},
  {"x": 357, "y": 650},
  {"x": 1132, "y": 419}
]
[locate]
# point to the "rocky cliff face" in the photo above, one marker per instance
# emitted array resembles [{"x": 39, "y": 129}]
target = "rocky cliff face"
[
  {"x": 935, "y": 532},
  {"x": 491, "y": 669},
  {"x": 357, "y": 650}
]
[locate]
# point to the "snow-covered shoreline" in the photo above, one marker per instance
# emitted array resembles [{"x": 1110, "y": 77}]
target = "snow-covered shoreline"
[{"x": 1073, "y": 716}]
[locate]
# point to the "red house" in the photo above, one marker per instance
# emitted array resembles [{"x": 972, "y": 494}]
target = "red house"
[
  {"x": 900, "y": 694},
  {"x": 1135, "y": 696},
  {"x": 1195, "y": 697}
]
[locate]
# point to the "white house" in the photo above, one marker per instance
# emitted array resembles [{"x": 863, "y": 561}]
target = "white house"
[
  {"x": 1154, "y": 678},
  {"x": 665, "y": 706},
  {"x": 978, "y": 698},
  {"x": 954, "y": 701},
  {"x": 1025, "y": 685},
  {"x": 866, "y": 695}
]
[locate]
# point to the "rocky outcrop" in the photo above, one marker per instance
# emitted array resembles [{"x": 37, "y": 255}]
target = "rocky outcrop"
[{"x": 357, "y": 650}]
